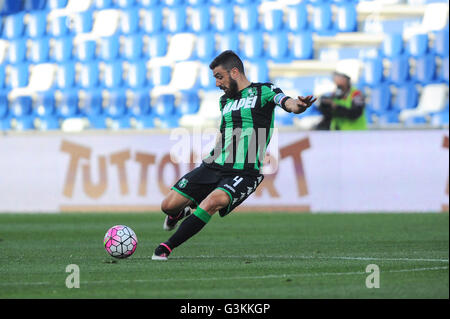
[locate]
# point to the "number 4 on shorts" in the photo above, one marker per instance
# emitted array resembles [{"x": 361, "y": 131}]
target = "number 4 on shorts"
[{"x": 237, "y": 180}]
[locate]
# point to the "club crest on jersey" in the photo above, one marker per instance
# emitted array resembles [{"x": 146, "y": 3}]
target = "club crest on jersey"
[{"x": 245, "y": 102}]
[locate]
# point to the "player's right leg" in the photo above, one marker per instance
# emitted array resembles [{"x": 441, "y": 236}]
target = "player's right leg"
[{"x": 176, "y": 207}]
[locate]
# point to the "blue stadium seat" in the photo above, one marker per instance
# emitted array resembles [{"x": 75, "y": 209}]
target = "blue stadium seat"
[
  {"x": 133, "y": 47},
  {"x": 14, "y": 25},
  {"x": 200, "y": 18},
  {"x": 39, "y": 50},
  {"x": 97, "y": 122},
  {"x": 67, "y": 104},
  {"x": 82, "y": 22},
  {"x": 89, "y": 75},
  {"x": 206, "y": 79},
  {"x": 176, "y": 19},
  {"x": 418, "y": 45},
  {"x": 253, "y": 45},
  {"x": 392, "y": 45},
  {"x": 415, "y": 120},
  {"x": 152, "y": 19},
  {"x": 229, "y": 41},
  {"x": 47, "y": 123},
  {"x": 56, "y": 4},
  {"x": 5, "y": 124},
  {"x": 205, "y": 46},
  {"x": 322, "y": 18},
  {"x": 139, "y": 103},
  {"x": 189, "y": 103},
  {"x": 161, "y": 75},
  {"x": 258, "y": 71},
  {"x": 387, "y": 117},
  {"x": 248, "y": 19},
  {"x": 129, "y": 20},
  {"x": 283, "y": 118},
  {"x": 65, "y": 75},
  {"x": 37, "y": 24},
  {"x": 379, "y": 99},
  {"x": 90, "y": 102},
  {"x": 17, "y": 51},
  {"x": 164, "y": 106},
  {"x": 157, "y": 45},
  {"x": 109, "y": 48},
  {"x": 273, "y": 20},
  {"x": 44, "y": 104},
  {"x": 373, "y": 71},
  {"x": 405, "y": 97},
  {"x": 168, "y": 122},
  {"x": 424, "y": 70},
  {"x": 3, "y": 106},
  {"x": 33, "y": 5},
  {"x": 2, "y": 78},
  {"x": 302, "y": 46},
  {"x": 278, "y": 47},
  {"x": 112, "y": 74},
  {"x": 346, "y": 18},
  {"x": 297, "y": 18},
  {"x": 444, "y": 70},
  {"x": 144, "y": 122},
  {"x": 136, "y": 77},
  {"x": 120, "y": 123},
  {"x": 195, "y": 2},
  {"x": 125, "y": 3},
  {"x": 172, "y": 3},
  {"x": 103, "y": 4},
  {"x": 21, "y": 106},
  {"x": 116, "y": 105},
  {"x": 85, "y": 50},
  {"x": 24, "y": 123},
  {"x": 399, "y": 69},
  {"x": 59, "y": 26},
  {"x": 223, "y": 18},
  {"x": 440, "y": 44},
  {"x": 18, "y": 76},
  {"x": 440, "y": 118}
]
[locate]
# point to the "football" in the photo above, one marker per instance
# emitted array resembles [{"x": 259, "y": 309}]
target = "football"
[{"x": 120, "y": 241}]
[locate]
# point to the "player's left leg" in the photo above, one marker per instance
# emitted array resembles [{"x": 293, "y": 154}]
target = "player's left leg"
[{"x": 215, "y": 201}]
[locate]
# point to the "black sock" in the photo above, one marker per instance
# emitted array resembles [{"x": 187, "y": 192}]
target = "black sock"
[{"x": 188, "y": 228}]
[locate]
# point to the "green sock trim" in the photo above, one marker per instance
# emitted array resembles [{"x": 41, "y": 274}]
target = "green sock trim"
[{"x": 202, "y": 214}]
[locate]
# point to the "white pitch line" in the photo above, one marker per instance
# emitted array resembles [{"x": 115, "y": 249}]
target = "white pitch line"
[{"x": 271, "y": 276}]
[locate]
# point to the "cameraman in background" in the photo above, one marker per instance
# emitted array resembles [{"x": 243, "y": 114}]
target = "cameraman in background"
[{"x": 342, "y": 109}]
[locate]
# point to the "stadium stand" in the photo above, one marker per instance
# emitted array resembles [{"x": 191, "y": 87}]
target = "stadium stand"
[{"x": 138, "y": 64}]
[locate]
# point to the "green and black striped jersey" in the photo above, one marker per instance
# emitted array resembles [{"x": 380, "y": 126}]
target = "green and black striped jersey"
[{"x": 246, "y": 128}]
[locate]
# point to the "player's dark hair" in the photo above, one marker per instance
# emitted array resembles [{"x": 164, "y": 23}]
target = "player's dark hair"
[{"x": 228, "y": 60}]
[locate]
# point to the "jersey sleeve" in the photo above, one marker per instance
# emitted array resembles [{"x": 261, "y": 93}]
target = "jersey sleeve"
[{"x": 273, "y": 94}]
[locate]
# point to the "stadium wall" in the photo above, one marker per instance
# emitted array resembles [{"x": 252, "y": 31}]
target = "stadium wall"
[{"x": 377, "y": 171}]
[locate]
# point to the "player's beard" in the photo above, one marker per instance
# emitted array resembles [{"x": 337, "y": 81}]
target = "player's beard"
[{"x": 232, "y": 90}]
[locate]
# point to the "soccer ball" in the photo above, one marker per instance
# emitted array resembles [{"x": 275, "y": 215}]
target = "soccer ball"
[{"x": 120, "y": 241}]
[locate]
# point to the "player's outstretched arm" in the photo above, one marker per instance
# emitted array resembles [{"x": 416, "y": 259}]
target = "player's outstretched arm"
[{"x": 300, "y": 104}]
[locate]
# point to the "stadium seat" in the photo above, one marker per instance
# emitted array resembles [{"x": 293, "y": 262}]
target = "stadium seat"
[
  {"x": 129, "y": 20},
  {"x": 59, "y": 26},
  {"x": 125, "y": 3},
  {"x": 164, "y": 105},
  {"x": 55, "y": 4},
  {"x": 24, "y": 123},
  {"x": 82, "y": 22},
  {"x": 444, "y": 70},
  {"x": 4, "y": 44},
  {"x": 379, "y": 98},
  {"x": 65, "y": 75},
  {"x": 223, "y": 18},
  {"x": 112, "y": 74},
  {"x": 398, "y": 70},
  {"x": 133, "y": 47},
  {"x": 139, "y": 103},
  {"x": 283, "y": 118},
  {"x": 39, "y": 50},
  {"x": 167, "y": 122},
  {"x": 346, "y": 18},
  {"x": 172, "y": 3},
  {"x": 373, "y": 71},
  {"x": 115, "y": 104},
  {"x": 433, "y": 98},
  {"x": 61, "y": 49},
  {"x": 47, "y": 123},
  {"x": 184, "y": 78},
  {"x": 200, "y": 18},
  {"x": 189, "y": 103},
  {"x": 440, "y": 43},
  {"x": 424, "y": 68},
  {"x": 109, "y": 48},
  {"x": 143, "y": 122},
  {"x": 208, "y": 114},
  {"x": 18, "y": 76},
  {"x": 97, "y": 122},
  {"x": 248, "y": 18},
  {"x": 21, "y": 106},
  {"x": 322, "y": 18},
  {"x": 278, "y": 47},
  {"x": 90, "y": 102},
  {"x": 17, "y": 51},
  {"x": 258, "y": 71},
  {"x": 36, "y": 24},
  {"x": 120, "y": 123},
  {"x": 152, "y": 19},
  {"x": 85, "y": 50},
  {"x": 66, "y": 103},
  {"x": 297, "y": 17},
  {"x": 405, "y": 97},
  {"x": 176, "y": 20},
  {"x": 229, "y": 41},
  {"x": 13, "y": 25},
  {"x": 392, "y": 45},
  {"x": 273, "y": 20},
  {"x": 181, "y": 46},
  {"x": 302, "y": 45},
  {"x": 3, "y": 106},
  {"x": 136, "y": 75},
  {"x": 156, "y": 46},
  {"x": 253, "y": 45},
  {"x": 103, "y": 4},
  {"x": 44, "y": 104},
  {"x": 417, "y": 45},
  {"x": 438, "y": 119},
  {"x": 206, "y": 79},
  {"x": 160, "y": 75},
  {"x": 205, "y": 46},
  {"x": 88, "y": 75}
]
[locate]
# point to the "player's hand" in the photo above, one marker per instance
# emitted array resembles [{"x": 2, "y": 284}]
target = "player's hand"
[{"x": 306, "y": 101}]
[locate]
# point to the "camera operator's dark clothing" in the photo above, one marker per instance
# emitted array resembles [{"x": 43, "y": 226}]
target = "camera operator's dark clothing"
[{"x": 348, "y": 114}]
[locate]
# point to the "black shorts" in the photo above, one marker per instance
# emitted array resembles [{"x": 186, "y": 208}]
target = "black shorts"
[{"x": 200, "y": 182}]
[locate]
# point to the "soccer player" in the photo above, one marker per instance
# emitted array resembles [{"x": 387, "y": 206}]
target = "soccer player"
[{"x": 231, "y": 172}]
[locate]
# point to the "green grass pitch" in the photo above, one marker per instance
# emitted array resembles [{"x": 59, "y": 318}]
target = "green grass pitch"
[{"x": 244, "y": 255}]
